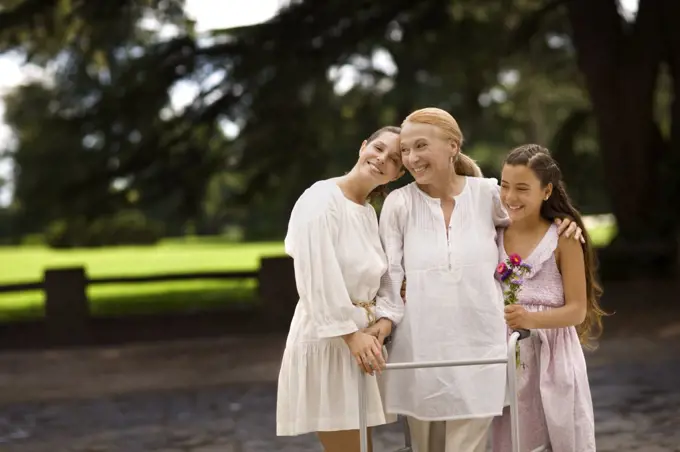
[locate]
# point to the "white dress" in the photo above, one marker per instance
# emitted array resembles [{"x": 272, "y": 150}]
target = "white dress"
[
  {"x": 454, "y": 305},
  {"x": 338, "y": 258}
]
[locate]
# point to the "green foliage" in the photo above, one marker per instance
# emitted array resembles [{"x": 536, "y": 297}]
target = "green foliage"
[
  {"x": 120, "y": 147},
  {"x": 6, "y": 220},
  {"x": 123, "y": 228},
  {"x": 508, "y": 71},
  {"x": 33, "y": 240},
  {"x": 103, "y": 122}
]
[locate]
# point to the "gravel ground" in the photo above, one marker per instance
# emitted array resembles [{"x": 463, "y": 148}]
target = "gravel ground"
[{"x": 219, "y": 396}]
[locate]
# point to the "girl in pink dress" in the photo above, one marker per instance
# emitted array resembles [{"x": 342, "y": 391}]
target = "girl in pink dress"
[{"x": 558, "y": 299}]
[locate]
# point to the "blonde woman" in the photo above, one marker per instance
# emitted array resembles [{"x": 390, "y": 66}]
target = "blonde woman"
[
  {"x": 334, "y": 241},
  {"x": 439, "y": 233}
]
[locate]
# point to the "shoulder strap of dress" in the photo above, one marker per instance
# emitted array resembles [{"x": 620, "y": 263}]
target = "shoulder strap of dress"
[{"x": 544, "y": 251}]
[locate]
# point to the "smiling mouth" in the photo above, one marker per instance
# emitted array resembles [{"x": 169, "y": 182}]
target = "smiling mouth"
[
  {"x": 375, "y": 167},
  {"x": 419, "y": 169},
  {"x": 515, "y": 208}
]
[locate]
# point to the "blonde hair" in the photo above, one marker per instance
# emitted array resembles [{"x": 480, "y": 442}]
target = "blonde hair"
[{"x": 441, "y": 119}]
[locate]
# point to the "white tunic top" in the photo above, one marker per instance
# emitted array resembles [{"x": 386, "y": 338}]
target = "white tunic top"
[
  {"x": 454, "y": 305},
  {"x": 338, "y": 259}
]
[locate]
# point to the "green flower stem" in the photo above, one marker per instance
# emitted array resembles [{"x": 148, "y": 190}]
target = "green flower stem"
[{"x": 511, "y": 292}]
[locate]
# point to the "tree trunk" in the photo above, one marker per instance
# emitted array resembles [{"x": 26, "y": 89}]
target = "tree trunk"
[
  {"x": 671, "y": 35},
  {"x": 620, "y": 69},
  {"x": 671, "y": 43}
]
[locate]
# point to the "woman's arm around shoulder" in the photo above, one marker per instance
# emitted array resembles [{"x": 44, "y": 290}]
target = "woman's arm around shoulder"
[{"x": 500, "y": 216}]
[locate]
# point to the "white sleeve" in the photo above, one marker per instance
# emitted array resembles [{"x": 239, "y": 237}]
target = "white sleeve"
[
  {"x": 499, "y": 214},
  {"x": 389, "y": 303},
  {"x": 311, "y": 238}
]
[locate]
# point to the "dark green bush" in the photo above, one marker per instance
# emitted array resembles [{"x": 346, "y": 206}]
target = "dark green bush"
[{"x": 129, "y": 227}]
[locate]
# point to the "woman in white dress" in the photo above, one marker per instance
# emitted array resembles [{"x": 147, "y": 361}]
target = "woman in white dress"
[
  {"x": 334, "y": 240},
  {"x": 439, "y": 234}
]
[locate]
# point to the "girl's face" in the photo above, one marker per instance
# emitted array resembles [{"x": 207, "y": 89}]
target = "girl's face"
[
  {"x": 380, "y": 159},
  {"x": 522, "y": 193}
]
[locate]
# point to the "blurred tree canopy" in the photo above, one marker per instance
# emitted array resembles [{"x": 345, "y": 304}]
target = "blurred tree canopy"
[{"x": 271, "y": 116}]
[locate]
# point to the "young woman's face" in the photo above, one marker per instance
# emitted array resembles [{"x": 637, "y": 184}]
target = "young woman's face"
[
  {"x": 521, "y": 192},
  {"x": 425, "y": 151},
  {"x": 380, "y": 159}
]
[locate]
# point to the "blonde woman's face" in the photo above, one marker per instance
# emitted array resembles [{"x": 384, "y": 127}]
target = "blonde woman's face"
[{"x": 425, "y": 151}]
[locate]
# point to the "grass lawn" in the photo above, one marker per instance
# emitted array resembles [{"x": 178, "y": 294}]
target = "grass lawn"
[{"x": 26, "y": 264}]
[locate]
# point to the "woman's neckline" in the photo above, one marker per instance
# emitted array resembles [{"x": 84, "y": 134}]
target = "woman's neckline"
[
  {"x": 352, "y": 203},
  {"x": 462, "y": 192}
]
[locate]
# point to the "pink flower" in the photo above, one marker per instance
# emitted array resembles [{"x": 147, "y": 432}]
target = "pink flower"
[
  {"x": 515, "y": 259},
  {"x": 502, "y": 268}
]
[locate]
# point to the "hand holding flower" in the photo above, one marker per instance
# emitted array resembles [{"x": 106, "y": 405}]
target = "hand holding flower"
[
  {"x": 518, "y": 318},
  {"x": 510, "y": 273}
]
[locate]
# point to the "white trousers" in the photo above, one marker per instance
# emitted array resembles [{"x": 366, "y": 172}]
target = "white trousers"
[{"x": 464, "y": 435}]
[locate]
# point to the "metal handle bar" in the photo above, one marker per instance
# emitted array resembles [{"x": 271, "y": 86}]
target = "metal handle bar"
[{"x": 516, "y": 336}]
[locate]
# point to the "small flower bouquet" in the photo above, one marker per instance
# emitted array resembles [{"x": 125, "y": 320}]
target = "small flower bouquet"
[{"x": 510, "y": 274}]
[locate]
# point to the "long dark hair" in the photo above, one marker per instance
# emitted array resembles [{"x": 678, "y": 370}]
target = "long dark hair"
[
  {"x": 558, "y": 205},
  {"x": 380, "y": 192}
]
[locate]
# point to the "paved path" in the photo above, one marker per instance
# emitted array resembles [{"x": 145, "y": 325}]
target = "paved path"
[{"x": 191, "y": 397}]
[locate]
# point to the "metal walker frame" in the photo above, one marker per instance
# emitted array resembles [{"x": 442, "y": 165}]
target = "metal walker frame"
[{"x": 510, "y": 360}]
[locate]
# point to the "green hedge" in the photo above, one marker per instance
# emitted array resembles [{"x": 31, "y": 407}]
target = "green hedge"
[{"x": 125, "y": 228}]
